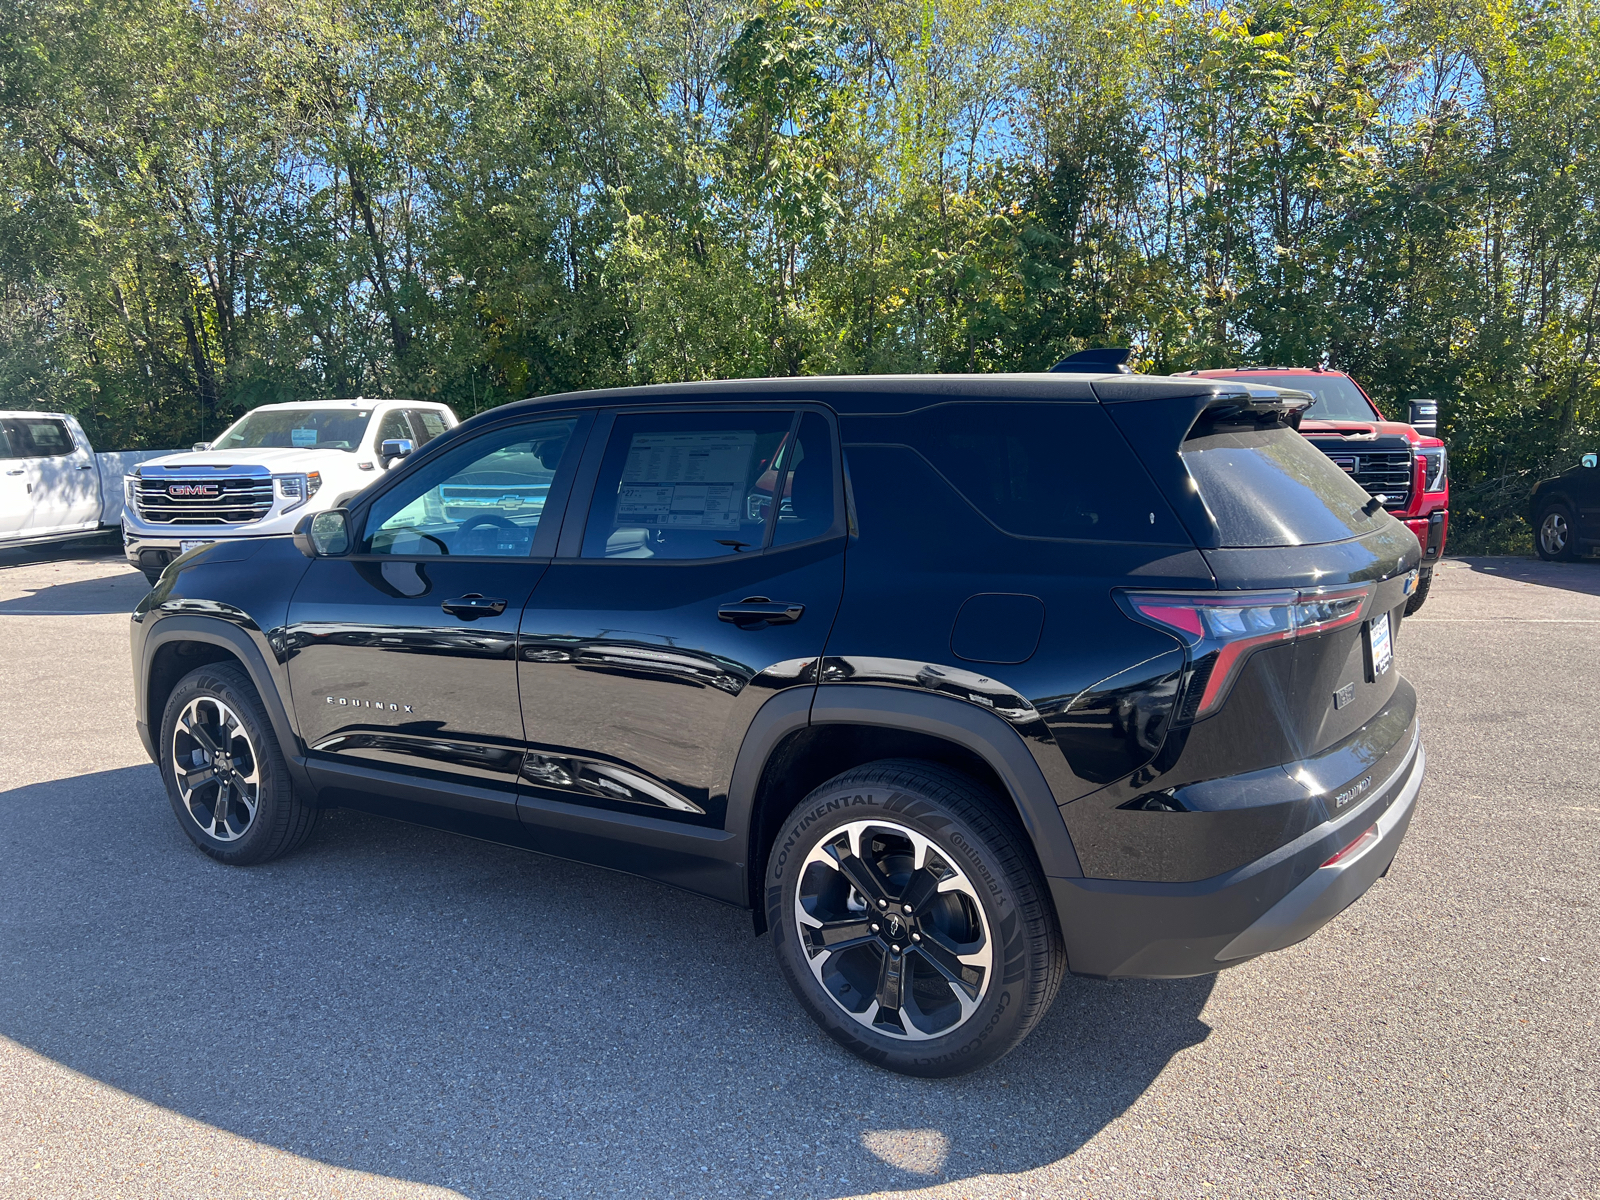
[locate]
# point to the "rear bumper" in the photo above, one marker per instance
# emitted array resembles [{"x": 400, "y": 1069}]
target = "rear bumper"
[{"x": 1116, "y": 928}]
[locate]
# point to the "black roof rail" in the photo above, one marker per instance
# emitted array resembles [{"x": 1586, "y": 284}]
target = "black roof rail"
[{"x": 1108, "y": 360}]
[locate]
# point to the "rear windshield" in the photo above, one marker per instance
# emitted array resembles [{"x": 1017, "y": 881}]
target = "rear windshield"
[
  {"x": 299, "y": 428},
  {"x": 1334, "y": 398},
  {"x": 1271, "y": 487}
]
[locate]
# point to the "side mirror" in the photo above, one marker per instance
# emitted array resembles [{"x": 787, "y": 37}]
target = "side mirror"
[
  {"x": 323, "y": 534},
  {"x": 201, "y": 446},
  {"x": 1425, "y": 417},
  {"x": 1588, "y": 460},
  {"x": 392, "y": 449}
]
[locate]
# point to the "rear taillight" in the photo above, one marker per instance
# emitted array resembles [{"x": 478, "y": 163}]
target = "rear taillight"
[
  {"x": 1363, "y": 840},
  {"x": 1222, "y": 629}
]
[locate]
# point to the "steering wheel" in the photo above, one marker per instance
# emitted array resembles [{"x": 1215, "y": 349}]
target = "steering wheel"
[{"x": 481, "y": 520}]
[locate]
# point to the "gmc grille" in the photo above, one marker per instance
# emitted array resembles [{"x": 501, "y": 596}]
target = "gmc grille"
[
  {"x": 236, "y": 501},
  {"x": 1386, "y": 473}
]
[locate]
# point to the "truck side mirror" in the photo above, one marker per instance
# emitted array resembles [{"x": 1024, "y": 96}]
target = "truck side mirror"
[
  {"x": 394, "y": 448},
  {"x": 201, "y": 446},
  {"x": 1425, "y": 417},
  {"x": 323, "y": 534},
  {"x": 1588, "y": 460}
]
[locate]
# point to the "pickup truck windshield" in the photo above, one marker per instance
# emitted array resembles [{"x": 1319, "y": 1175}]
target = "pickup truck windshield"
[
  {"x": 1336, "y": 398},
  {"x": 297, "y": 428}
]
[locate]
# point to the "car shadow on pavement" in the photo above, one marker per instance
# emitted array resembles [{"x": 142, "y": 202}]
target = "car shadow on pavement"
[
  {"x": 109, "y": 594},
  {"x": 1582, "y": 575},
  {"x": 101, "y": 545},
  {"x": 419, "y": 1005}
]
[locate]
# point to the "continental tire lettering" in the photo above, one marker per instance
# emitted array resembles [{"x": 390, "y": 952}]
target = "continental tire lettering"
[
  {"x": 982, "y": 868},
  {"x": 832, "y": 804}
]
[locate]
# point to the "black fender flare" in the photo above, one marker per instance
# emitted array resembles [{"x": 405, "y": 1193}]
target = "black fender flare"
[
  {"x": 228, "y": 636},
  {"x": 984, "y": 733}
]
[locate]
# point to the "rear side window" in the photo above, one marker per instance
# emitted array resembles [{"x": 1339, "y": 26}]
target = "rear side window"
[
  {"x": 1059, "y": 471},
  {"x": 428, "y": 425},
  {"x": 1271, "y": 487},
  {"x": 689, "y": 484},
  {"x": 38, "y": 438}
]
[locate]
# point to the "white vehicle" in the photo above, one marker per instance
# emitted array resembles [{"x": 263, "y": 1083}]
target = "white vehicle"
[
  {"x": 268, "y": 470},
  {"x": 53, "y": 486}
]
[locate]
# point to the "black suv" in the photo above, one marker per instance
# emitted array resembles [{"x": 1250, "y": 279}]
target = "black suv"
[
  {"x": 958, "y": 682},
  {"x": 1565, "y": 512}
]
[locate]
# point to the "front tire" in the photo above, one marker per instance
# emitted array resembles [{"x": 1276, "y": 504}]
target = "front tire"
[
  {"x": 225, "y": 774},
  {"x": 1554, "y": 538},
  {"x": 910, "y": 918},
  {"x": 1424, "y": 582}
]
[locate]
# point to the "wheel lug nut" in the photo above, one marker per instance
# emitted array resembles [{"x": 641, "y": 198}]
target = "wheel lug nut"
[
  {"x": 874, "y": 929},
  {"x": 907, "y": 907},
  {"x": 916, "y": 937},
  {"x": 883, "y": 904},
  {"x": 896, "y": 949}
]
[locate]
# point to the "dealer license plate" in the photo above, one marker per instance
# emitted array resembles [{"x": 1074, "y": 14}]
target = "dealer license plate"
[
  {"x": 1382, "y": 645},
  {"x": 185, "y": 547}
]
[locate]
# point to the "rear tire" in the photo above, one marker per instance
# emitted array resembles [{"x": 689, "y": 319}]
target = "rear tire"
[
  {"x": 1424, "y": 582},
  {"x": 1554, "y": 539},
  {"x": 911, "y": 919},
  {"x": 225, "y": 774}
]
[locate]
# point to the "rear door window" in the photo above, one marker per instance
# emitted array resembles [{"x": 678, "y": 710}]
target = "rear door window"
[
  {"x": 1037, "y": 470},
  {"x": 688, "y": 485},
  {"x": 427, "y": 424},
  {"x": 32, "y": 437},
  {"x": 1271, "y": 487}
]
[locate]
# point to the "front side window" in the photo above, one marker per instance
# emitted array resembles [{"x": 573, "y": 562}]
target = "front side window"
[
  {"x": 298, "y": 428},
  {"x": 688, "y": 485},
  {"x": 484, "y": 498},
  {"x": 393, "y": 426},
  {"x": 32, "y": 437}
]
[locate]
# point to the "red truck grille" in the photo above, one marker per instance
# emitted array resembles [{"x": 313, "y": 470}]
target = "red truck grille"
[{"x": 1386, "y": 473}]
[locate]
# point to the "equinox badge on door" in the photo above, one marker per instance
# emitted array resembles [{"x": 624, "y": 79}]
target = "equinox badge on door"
[{"x": 380, "y": 705}]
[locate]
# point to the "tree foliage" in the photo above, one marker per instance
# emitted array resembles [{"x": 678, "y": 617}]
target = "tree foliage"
[{"x": 211, "y": 204}]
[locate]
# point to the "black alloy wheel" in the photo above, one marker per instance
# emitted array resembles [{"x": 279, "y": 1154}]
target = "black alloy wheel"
[
  {"x": 1554, "y": 538},
  {"x": 910, "y": 918},
  {"x": 225, "y": 775}
]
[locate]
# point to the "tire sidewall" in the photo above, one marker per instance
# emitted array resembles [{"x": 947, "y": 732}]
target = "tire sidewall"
[
  {"x": 989, "y": 1032},
  {"x": 1566, "y": 551},
  {"x": 221, "y": 685}
]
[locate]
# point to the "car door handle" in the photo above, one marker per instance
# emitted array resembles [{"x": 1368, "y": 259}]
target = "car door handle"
[
  {"x": 472, "y": 606},
  {"x": 85, "y": 466},
  {"x": 16, "y": 472},
  {"x": 758, "y": 610}
]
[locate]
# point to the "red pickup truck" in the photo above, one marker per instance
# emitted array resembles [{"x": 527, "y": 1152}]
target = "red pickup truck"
[{"x": 1388, "y": 458}]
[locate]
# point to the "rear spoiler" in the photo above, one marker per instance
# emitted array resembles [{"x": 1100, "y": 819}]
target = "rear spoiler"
[
  {"x": 1157, "y": 415},
  {"x": 1286, "y": 403}
]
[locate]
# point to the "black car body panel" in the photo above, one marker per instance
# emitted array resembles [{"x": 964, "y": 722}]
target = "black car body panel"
[{"x": 631, "y": 712}]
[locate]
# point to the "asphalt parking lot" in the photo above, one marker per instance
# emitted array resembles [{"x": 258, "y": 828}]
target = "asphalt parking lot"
[{"x": 398, "y": 1012}]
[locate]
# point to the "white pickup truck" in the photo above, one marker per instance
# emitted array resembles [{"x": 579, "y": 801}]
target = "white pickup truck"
[
  {"x": 53, "y": 486},
  {"x": 266, "y": 471}
]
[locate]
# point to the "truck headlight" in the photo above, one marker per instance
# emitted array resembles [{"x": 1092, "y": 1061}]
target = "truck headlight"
[
  {"x": 295, "y": 490},
  {"x": 1434, "y": 469},
  {"x": 130, "y": 493}
]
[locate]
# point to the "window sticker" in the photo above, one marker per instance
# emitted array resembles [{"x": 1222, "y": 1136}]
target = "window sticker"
[
  {"x": 303, "y": 437},
  {"x": 685, "y": 480}
]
